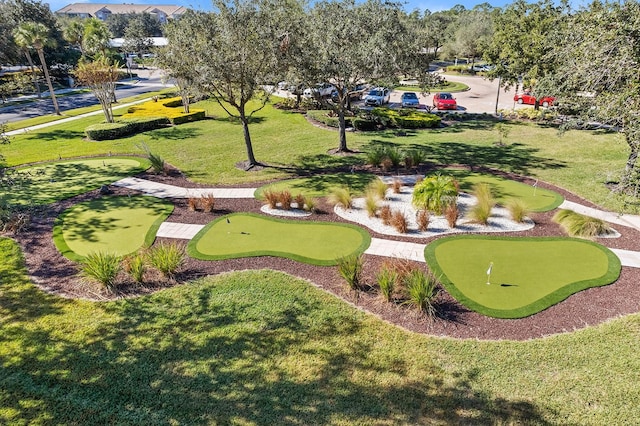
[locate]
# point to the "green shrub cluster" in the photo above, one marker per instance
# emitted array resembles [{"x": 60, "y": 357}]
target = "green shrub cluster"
[
  {"x": 542, "y": 114},
  {"x": 380, "y": 118},
  {"x": 109, "y": 131}
]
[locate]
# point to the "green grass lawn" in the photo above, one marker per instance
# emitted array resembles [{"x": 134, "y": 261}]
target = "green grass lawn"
[
  {"x": 117, "y": 225},
  {"x": 527, "y": 274},
  {"x": 247, "y": 235},
  {"x": 320, "y": 185},
  {"x": 50, "y": 182},
  {"x": 536, "y": 199},
  {"x": 207, "y": 151},
  {"x": 261, "y": 348}
]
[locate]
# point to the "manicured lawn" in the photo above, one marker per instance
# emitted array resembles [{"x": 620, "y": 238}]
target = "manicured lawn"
[
  {"x": 528, "y": 274},
  {"x": 537, "y": 199},
  {"x": 118, "y": 225},
  {"x": 207, "y": 151},
  {"x": 247, "y": 235},
  {"x": 320, "y": 185},
  {"x": 51, "y": 182},
  {"x": 261, "y": 347}
]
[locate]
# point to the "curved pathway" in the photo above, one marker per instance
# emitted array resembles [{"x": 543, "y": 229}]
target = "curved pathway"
[{"x": 378, "y": 247}]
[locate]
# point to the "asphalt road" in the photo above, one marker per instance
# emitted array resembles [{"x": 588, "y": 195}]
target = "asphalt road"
[{"x": 147, "y": 81}]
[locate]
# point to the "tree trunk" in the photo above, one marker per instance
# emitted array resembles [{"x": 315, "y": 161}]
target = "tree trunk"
[
  {"x": 247, "y": 139},
  {"x": 34, "y": 77},
  {"x": 46, "y": 76},
  {"x": 630, "y": 173},
  {"x": 342, "y": 126}
]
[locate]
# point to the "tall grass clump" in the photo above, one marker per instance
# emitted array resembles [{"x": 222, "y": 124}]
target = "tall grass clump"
[
  {"x": 395, "y": 157},
  {"x": 371, "y": 203},
  {"x": 135, "y": 265},
  {"x": 378, "y": 187},
  {"x": 387, "y": 279},
  {"x": 299, "y": 200},
  {"x": 167, "y": 259},
  {"x": 341, "y": 197},
  {"x": 422, "y": 291},
  {"x": 413, "y": 158},
  {"x": 207, "y": 201},
  {"x": 399, "y": 221},
  {"x": 517, "y": 209},
  {"x": 422, "y": 218},
  {"x": 350, "y": 269},
  {"x": 481, "y": 211},
  {"x": 579, "y": 225},
  {"x": 396, "y": 186},
  {"x": 310, "y": 204},
  {"x": 435, "y": 193},
  {"x": 285, "y": 200},
  {"x": 385, "y": 214},
  {"x": 157, "y": 162},
  {"x": 451, "y": 213},
  {"x": 271, "y": 198},
  {"x": 375, "y": 156},
  {"x": 103, "y": 268}
]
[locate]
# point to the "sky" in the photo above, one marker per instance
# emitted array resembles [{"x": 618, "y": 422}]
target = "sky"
[{"x": 432, "y": 5}]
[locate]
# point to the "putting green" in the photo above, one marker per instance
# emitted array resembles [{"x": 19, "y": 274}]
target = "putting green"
[
  {"x": 319, "y": 185},
  {"x": 118, "y": 225},
  {"x": 536, "y": 199},
  {"x": 528, "y": 274},
  {"x": 51, "y": 182},
  {"x": 248, "y": 235}
]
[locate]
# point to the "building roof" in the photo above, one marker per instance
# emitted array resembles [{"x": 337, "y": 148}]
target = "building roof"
[{"x": 123, "y": 8}]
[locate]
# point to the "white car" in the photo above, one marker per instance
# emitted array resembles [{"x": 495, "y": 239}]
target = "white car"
[
  {"x": 322, "y": 89},
  {"x": 377, "y": 96}
]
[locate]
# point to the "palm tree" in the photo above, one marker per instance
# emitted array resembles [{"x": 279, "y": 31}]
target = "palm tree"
[{"x": 35, "y": 35}]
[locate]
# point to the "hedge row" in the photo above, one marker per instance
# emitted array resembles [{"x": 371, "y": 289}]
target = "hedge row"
[
  {"x": 109, "y": 131},
  {"x": 380, "y": 117}
]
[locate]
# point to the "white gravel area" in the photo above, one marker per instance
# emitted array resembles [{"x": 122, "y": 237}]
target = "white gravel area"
[
  {"x": 498, "y": 222},
  {"x": 285, "y": 213}
]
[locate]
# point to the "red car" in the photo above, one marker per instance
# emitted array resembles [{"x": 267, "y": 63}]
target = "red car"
[
  {"x": 529, "y": 99},
  {"x": 444, "y": 100}
]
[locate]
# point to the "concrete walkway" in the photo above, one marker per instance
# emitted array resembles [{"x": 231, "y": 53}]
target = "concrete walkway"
[{"x": 378, "y": 247}]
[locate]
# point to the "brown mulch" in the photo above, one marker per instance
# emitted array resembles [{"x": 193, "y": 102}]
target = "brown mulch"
[{"x": 56, "y": 274}]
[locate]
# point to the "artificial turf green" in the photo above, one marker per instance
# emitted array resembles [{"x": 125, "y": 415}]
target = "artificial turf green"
[
  {"x": 536, "y": 199},
  {"x": 249, "y": 235},
  {"x": 117, "y": 225},
  {"x": 50, "y": 182},
  {"x": 320, "y": 185},
  {"x": 528, "y": 274}
]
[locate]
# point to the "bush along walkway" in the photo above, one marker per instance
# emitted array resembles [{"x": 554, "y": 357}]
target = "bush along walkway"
[{"x": 378, "y": 247}]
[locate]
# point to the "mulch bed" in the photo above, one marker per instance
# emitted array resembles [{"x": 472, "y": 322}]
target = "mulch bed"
[{"x": 56, "y": 274}]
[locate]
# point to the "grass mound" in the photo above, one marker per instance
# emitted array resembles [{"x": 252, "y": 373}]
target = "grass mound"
[
  {"x": 50, "y": 182},
  {"x": 117, "y": 225},
  {"x": 248, "y": 235},
  {"x": 527, "y": 274}
]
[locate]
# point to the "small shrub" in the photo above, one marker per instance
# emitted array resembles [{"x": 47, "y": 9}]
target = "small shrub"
[
  {"x": 517, "y": 209},
  {"x": 422, "y": 218},
  {"x": 385, "y": 214},
  {"x": 285, "y": 200},
  {"x": 579, "y": 225},
  {"x": 341, "y": 197},
  {"x": 481, "y": 211},
  {"x": 208, "y": 202},
  {"x": 271, "y": 197},
  {"x": 375, "y": 156},
  {"x": 417, "y": 157},
  {"x": 193, "y": 204},
  {"x": 299, "y": 200},
  {"x": 167, "y": 259},
  {"x": 396, "y": 186},
  {"x": 421, "y": 291},
  {"x": 379, "y": 188},
  {"x": 157, "y": 162},
  {"x": 399, "y": 221},
  {"x": 371, "y": 203},
  {"x": 387, "y": 279},
  {"x": 135, "y": 266},
  {"x": 350, "y": 268},
  {"x": 451, "y": 213},
  {"x": 103, "y": 268},
  {"x": 395, "y": 156},
  {"x": 310, "y": 204},
  {"x": 386, "y": 164},
  {"x": 435, "y": 193}
]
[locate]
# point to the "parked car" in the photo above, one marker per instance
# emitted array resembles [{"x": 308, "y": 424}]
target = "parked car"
[
  {"x": 527, "y": 98},
  {"x": 377, "y": 96},
  {"x": 409, "y": 100},
  {"x": 444, "y": 100},
  {"x": 358, "y": 91},
  {"x": 322, "y": 89}
]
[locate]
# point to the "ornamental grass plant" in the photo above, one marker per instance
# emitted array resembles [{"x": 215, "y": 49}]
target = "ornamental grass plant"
[
  {"x": 103, "y": 268},
  {"x": 582, "y": 226},
  {"x": 167, "y": 259}
]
